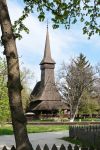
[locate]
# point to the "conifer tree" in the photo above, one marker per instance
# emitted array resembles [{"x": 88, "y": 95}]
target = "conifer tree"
[{"x": 76, "y": 78}]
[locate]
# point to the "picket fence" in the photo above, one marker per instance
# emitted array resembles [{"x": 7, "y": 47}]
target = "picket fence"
[
  {"x": 87, "y": 134},
  {"x": 54, "y": 147}
]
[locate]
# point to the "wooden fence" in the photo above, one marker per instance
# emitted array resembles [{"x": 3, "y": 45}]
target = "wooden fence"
[
  {"x": 54, "y": 147},
  {"x": 87, "y": 134}
]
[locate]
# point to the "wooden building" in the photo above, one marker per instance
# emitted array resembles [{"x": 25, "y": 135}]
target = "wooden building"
[{"x": 45, "y": 97}]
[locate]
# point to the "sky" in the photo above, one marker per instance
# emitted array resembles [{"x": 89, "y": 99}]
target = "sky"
[{"x": 65, "y": 44}]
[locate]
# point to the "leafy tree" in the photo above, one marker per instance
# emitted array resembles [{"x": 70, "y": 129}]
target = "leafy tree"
[
  {"x": 4, "y": 103},
  {"x": 63, "y": 13},
  {"x": 95, "y": 94},
  {"x": 26, "y": 78},
  {"x": 26, "y": 75},
  {"x": 75, "y": 78},
  {"x": 97, "y": 82},
  {"x": 89, "y": 104}
]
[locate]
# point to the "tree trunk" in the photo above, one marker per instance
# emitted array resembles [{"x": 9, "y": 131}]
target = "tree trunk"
[
  {"x": 72, "y": 113},
  {"x": 75, "y": 111},
  {"x": 14, "y": 84},
  {"x": 72, "y": 118}
]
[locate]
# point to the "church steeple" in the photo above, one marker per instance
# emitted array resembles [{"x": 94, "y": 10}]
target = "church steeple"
[
  {"x": 47, "y": 64},
  {"x": 45, "y": 97},
  {"x": 47, "y": 51}
]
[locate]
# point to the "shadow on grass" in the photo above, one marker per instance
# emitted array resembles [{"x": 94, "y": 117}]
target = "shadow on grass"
[
  {"x": 72, "y": 140},
  {"x": 78, "y": 142}
]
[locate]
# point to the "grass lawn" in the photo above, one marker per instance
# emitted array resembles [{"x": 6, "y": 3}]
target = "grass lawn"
[{"x": 7, "y": 129}]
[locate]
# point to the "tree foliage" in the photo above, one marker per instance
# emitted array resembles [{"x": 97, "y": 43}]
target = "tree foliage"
[
  {"x": 97, "y": 81},
  {"x": 26, "y": 78},
  {"x": 75, "y": 78},
  {"x": 4, "y": 102},
  {"x": 89, "y": 104},
  {"x": 26, "y": 75},
  {"x": 63, "y": 12}
]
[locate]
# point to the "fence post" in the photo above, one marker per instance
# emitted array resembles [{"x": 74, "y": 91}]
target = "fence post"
[
  {"x": 46, "y": 147},
  {"x": 76, "y": 147},
  {"x": 38, "y": 147},
  {"x": 54, "y": 147},
  {"x": 69, "y": 147},
  {"x": 13, "y": 148},
  {"x": 4, "y": 148},
  {"x": 62, "y": 147}
]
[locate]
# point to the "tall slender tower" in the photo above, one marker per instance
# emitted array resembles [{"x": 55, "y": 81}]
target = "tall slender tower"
[
  {"x": 45, "y": 97},
  {"x": 47, "y": 64}
]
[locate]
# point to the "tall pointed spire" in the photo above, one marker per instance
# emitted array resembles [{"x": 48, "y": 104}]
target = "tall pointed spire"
[
  {"x": 45, "y": 97},
  {"x": 47, "y": 52}
]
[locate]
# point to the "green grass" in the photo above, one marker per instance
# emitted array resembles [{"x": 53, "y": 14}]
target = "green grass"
[
  {"x": 7, "y": 129},
  {"x": 45, "y": 128},
  {"x": 88, "y": 119}
]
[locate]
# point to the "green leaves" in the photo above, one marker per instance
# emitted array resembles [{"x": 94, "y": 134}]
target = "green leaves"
[
  {"x": 4, "y": 102},
  {"x": 19, "y": 25},
  {"x": 88, "y": 104},
  {"x": 63, "y": 13},
  {"x": 41, "y": 16}
]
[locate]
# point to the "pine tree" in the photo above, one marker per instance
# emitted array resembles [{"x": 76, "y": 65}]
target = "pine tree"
[{"x": 77, "y": 77}]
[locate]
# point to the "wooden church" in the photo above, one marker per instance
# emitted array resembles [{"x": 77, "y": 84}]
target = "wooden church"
[{"x": 45, "y": 97}]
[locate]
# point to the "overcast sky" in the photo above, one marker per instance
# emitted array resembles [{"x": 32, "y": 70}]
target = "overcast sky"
[{"x": 65, "y": 44}]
